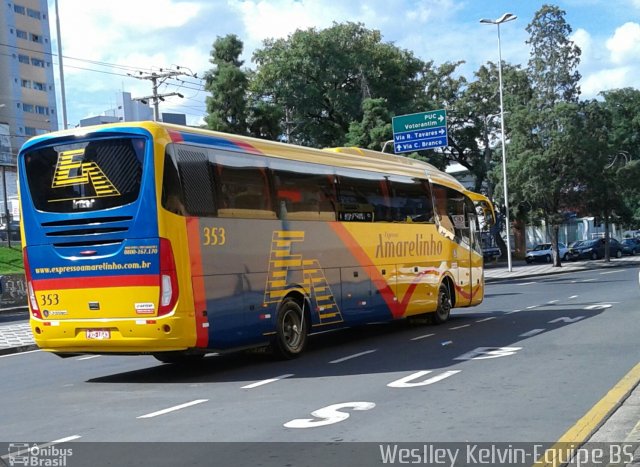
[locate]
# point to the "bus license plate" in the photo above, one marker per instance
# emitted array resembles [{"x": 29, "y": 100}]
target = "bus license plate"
[{"x": 98, "y": 334}]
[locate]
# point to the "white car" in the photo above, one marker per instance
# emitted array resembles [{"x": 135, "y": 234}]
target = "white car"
[{"x": 542, "y": 252}]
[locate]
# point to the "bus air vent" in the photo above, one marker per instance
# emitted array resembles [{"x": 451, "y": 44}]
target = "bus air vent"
[
  {"x": 87, "y": 221},
  {"x": 87, "y": 231}
]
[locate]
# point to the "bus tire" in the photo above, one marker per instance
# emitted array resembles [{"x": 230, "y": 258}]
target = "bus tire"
[
  {"x": 179, "y": 358},
  {"x": 292, "y": 329},
  {"x": 443, "y": 311}
]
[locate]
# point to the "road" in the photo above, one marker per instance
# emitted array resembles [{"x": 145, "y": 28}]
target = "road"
[{"x": 522, "y": 367}]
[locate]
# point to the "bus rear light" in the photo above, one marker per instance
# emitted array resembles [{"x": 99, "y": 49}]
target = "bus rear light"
[
  {"x": 33, "y": 302},
  {"x": 168, "y": 279}
]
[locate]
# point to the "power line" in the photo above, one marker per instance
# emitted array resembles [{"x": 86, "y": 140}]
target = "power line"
[{"x": 158, "y": 79}]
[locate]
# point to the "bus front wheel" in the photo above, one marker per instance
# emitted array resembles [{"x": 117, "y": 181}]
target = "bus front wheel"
[
  {"x": 291, "y": 330},
  {"x": 443, "y": 311}
]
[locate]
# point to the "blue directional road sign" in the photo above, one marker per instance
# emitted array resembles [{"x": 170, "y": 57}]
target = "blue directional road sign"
[{"x": 415, "y": 132}]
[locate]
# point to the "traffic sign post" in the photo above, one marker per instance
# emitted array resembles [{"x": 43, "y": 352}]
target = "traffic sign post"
[{"x": 415, "y": 132}]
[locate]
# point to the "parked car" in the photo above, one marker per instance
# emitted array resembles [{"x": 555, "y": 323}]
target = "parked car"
[
  {"x": 543, "y": 252},
  {"x": 631, "y": 246},
  {"x": 574, "y": 253},
  {"x": 594, "y": 249}
]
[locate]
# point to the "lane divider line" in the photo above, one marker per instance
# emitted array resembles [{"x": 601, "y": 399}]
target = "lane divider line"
[
  {"x": 266, "y": 381},
  {"x": 173, "y": 409},
  {"x": 422, "y": 337},
  {"x": 344, "y": 359}
]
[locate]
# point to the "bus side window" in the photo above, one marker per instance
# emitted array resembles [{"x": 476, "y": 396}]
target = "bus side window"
[
  {"x": 304, "y": 195},
  {"x": 441, "y": 205},
  {"x": 411, "y": 200},
  {"x": 244, "y": 192},
  {"x": 171, "y": 191},
  {"x": 196, "y": 180},
  {"x": 363, "y": 199}
]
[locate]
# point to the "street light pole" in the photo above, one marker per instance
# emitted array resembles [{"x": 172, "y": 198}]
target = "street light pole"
[{"x": 503, "y": 19}]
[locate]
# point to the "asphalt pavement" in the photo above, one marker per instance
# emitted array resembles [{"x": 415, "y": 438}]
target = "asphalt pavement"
[{"x": 619, "y": 413}]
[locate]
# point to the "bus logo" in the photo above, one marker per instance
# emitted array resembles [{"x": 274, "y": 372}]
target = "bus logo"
[
  {"x": 72, "y": 170},
  {"x": 314, "y": 281}
]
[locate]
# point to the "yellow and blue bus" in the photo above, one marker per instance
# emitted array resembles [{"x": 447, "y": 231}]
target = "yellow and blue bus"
[{"x": 150, "y": 238}]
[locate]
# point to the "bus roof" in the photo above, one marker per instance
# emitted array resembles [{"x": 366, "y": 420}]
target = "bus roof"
[{"x": 348, "y": 157}]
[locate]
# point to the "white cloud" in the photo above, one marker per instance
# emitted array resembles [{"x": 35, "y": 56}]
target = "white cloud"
[
  {"x": 625, "y": 43},
  {"x": 583, "y": 39},
  {"x": 605, "y": 79}
]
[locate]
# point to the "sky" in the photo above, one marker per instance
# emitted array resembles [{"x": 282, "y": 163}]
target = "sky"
[{"x": 106, "y": 43}]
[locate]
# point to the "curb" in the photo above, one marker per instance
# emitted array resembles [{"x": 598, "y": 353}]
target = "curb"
[{"x": 18, "y": 349}]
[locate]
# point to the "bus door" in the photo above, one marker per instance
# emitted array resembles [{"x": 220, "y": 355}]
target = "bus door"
[{"x": 461, "y": 263}]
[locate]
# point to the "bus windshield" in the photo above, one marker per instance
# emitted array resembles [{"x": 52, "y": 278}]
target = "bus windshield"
[{"x": 89, "y": 176}]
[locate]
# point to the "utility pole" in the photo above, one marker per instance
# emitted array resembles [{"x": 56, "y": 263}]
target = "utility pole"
[
  {"x": 65, "y": 124},
  {"x": 157, "y": 78}
]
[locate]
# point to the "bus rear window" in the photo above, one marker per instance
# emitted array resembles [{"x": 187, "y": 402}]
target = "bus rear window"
[{"x": 88, "y": 176}]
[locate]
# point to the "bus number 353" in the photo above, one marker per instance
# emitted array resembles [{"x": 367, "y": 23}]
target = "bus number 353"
[{"x": 214, "y": 236}]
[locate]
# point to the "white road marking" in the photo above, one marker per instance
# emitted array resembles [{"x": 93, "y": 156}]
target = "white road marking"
[
  {"x": 41, "y": 446},
  {"x": 513, "y": 311},
  {"x": 573, "y": 296},
  {"x": 172, "y": 409},
  {"x": 611, "y": 272},
  {"x": 588, "y": 280},
  {"x": 89, "y": 357},
  {"x": 486, "y": 319},
  {"x": 266, "y": 381},
  {"x": 531, "y": 333},
  {"x": 19, "y": 353},
  {"x": 552, "y": 301},
  {"x": 422, "y": 337},
  {"x": 527, "y": 283},
  {"x": 566, "y": 319},
  {"x": 483, "y": 353},
  {"x": 532, "y": 307},
  {"x": 459, "y": 327},
  {"x": 329, "y": 415},
  {"x": 406, "y": 382},
  {"x": 344, "y": 359}
]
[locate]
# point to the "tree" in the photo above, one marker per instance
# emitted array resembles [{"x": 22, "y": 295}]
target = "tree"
[
  {"x": 553, "y": 59},
  {"x": 624, "y": 106},
  {"x": 227, "y": 83},
  {"x": 545, "y": 131},
  {"x": 320, "y": 79},
  {"x": 374, "y": 129}
]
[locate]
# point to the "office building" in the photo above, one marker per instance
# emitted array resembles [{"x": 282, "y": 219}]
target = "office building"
[{"x": 27, "y": 89}]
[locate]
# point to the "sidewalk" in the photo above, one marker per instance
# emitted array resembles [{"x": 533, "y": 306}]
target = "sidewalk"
[
  {"x": 520, "y": 269},
  {"x": 15, "y": 336}
]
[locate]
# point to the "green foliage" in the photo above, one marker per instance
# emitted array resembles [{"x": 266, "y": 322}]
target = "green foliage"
[
  {"x": 374, "y": 129},
  {"x": 547, "y": 130},
  {"x": 11, "y": 261},
  {"x": 554, "y": 58},
  {"x": 227, "y": 83},
  {"x": 320, "y": 80}
]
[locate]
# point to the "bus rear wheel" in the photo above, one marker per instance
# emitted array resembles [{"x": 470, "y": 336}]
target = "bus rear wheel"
[
  {"x": 292, "y": 330},
  {"x": 443, "y": 311}
]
